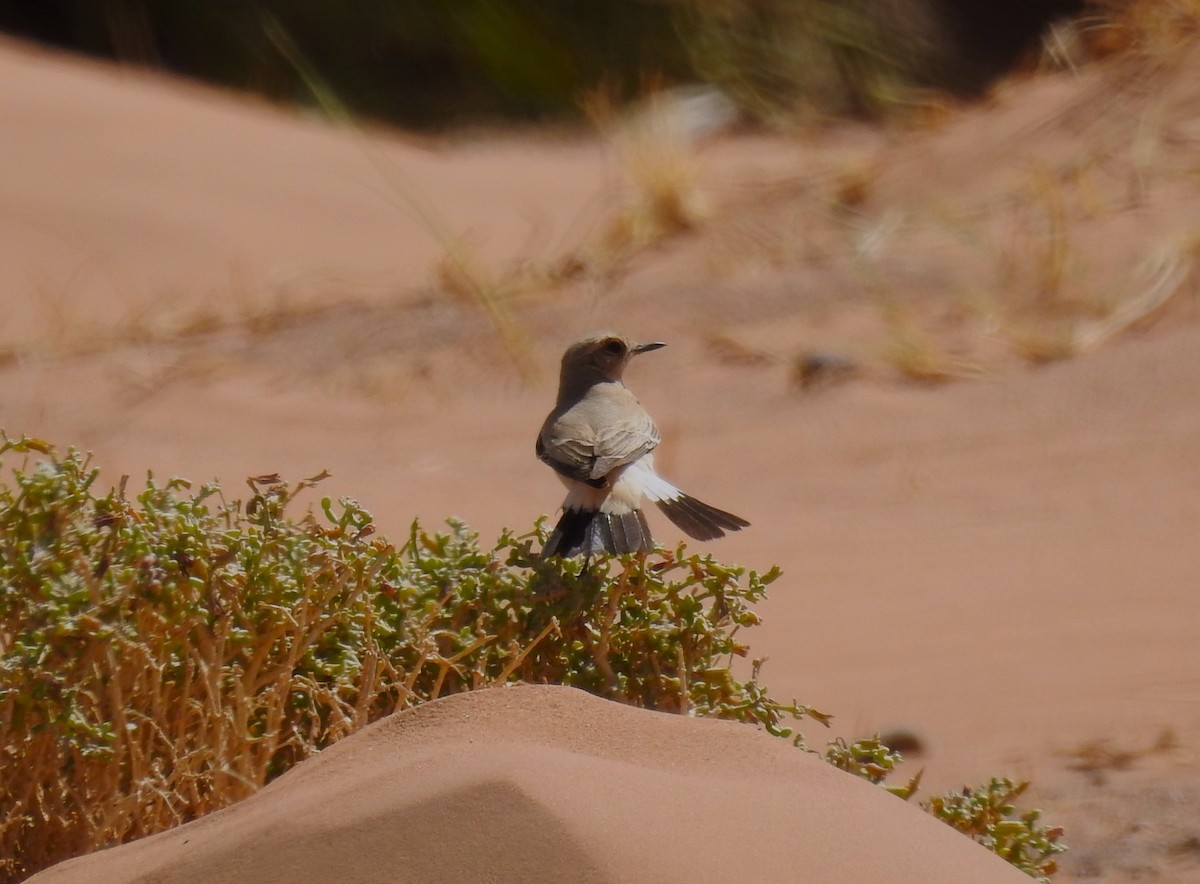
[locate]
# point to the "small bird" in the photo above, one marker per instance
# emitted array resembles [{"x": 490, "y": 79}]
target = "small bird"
[{"x": 600, "y": 441}]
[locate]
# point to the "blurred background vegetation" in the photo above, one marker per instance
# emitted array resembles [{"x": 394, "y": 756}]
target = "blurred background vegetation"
[{"x": 439, "y": 64}]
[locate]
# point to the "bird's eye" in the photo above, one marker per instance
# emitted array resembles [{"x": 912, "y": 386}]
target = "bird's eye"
[{"x": 615, "y": 347}]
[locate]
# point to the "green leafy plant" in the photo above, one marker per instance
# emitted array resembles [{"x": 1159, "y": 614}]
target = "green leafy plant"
[
  {"x": 872, "y": 760},
  {"x": 165, "y": 655},
  {"x": 988, "y": 815}
]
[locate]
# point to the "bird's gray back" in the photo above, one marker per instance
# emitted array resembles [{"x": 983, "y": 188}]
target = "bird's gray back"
[{"x": 604, "y": 428}]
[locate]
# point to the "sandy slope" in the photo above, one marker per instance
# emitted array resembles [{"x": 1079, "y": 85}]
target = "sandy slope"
[
  {"x": 1006, "y": 567},
  {"x": 551, "y": 784},
  {"x": 125, "y": 195}
]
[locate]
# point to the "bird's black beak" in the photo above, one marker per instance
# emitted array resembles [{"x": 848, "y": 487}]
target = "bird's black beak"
[{"x": 646, "y": 348}]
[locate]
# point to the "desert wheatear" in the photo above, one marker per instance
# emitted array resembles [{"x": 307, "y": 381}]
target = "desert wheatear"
[{"x": 600, "y": 441}]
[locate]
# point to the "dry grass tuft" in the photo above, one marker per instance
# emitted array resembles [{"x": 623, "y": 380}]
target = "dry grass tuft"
[
  {"x": 457, "y": 270},
  {"x": 1052, "y": 263},
  {"x": 1169, "y": 272},
  {"x": 1042, "y": 341},
  {"x": 1096, "y": 759},
  {"x": 728, "y": 350},
  {"x": 1042, "y": 344},
  {"x": 914, "y": 353},
  {"x": 462, "y": 278},
  {"x": 1154, "y": 28},
  {"x": 655, "y": 146}
]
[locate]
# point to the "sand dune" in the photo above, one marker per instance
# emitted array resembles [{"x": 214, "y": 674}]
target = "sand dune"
[
  {"x": 128, "y": 195},
  {"x": 551, "y": 784}
]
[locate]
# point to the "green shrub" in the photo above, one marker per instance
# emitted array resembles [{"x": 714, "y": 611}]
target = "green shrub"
[
  {"x": 164, "y": 656},
  {"x": 987, "y": 814},
  {"x": 872, "y": 760}
]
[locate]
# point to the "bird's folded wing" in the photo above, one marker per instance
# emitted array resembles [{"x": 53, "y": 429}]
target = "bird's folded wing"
[
  {"x": 624, "y": 442},
  {"x": 569, "y": 457},
  {"x": 590, "y": 460}
]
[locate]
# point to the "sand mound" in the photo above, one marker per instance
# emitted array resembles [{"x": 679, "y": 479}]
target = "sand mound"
[{"x": 552, "y": 784}]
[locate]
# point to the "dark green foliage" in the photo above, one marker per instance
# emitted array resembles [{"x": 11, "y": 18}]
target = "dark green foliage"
[
  {"x": 440, "y": 63},
  {"x": 423, "y": 63}
]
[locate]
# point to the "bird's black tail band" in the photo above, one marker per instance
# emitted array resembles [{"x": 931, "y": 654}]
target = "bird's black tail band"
[
  {"x": 699, "y": 520},
  {"x": 589, "y": 533}
]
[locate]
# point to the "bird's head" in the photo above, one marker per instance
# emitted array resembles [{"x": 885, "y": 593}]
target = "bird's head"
[{"x": 599, "y": 358}]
